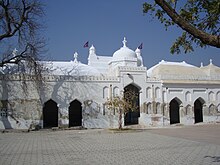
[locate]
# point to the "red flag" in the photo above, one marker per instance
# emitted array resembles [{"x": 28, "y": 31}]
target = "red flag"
[
  {"x": 86, "y": 45},
  {"x": 141, "y": 46}
]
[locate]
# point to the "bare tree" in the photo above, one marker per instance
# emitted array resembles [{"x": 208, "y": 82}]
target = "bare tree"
[
  {"x": 20, "y": 25},
  {"x": 21, "y": 44}
]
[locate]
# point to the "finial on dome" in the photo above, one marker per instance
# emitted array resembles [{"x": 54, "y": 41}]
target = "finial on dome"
[
  {"x": 162, "y": 61},
  {"x": 201, "y": 64},
  {"x": 75, "y": 57},
  {"x": 210, "y": 61},
  {"x": 92, "y": 50},
  {"x": 92, "y": 47},
  {"x": 124, "y": 42}
]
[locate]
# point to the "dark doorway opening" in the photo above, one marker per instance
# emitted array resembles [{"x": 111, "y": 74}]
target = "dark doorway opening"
[
  {"x": 198, "y": 111},
  {"x": 174, "y": 112},
  {"x": 75, "y": 114},
  {"x": 132, "y": 116},
  {"x": 50, "y": 114}
]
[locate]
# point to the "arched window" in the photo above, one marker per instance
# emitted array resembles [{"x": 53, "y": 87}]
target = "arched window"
[
  {"x": 116, "y": 91},
  {"x": 157, "y": 92},
  {"x": 105, "y": 92},
  {"x": 211, "y": 109},
  {"x": 148, "y": 92},
  {"x": 164, "y": 95},
  {"x": 188, "y": 96},
  {"x": 149, "y": 111},
  {"x": 158, "y": 108},
  {"x": 211, "y": 96}
]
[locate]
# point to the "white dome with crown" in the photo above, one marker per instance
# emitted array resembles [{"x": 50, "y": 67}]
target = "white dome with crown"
[{"x": 124, "y": 52}]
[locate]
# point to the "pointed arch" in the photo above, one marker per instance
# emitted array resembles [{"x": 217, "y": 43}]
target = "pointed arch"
[
  {"x": 177, "y": 99},
  {"x": 198, "y": 110},
  {"x": 211, "y": 96},
  {"x": 116, "y": 91},
  {"x": 174, "y": 110},
  {"x": 158, "y": 108},
  {"x": 188, "y": 96},
  {"x": 200, "y": 99},
  {"x": 105, "y": 92},
  {"x": 212, "y": 109},
  {"x": 149, "y": 108},
  {"x": 134, "y": 85},
  {"x": 50, "y": 114},
  {"x": 148, "y": 92},
  {"x": 132, "y": 116},
  {"x": 75, "y": 113},
  {"x": 157, "y": 92}
]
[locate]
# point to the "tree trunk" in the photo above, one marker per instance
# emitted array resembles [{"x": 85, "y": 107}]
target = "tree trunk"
[{"x": 120, "y": 120}]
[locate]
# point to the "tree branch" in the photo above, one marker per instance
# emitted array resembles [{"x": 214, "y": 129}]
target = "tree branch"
[{"x": 205, "y": 38}]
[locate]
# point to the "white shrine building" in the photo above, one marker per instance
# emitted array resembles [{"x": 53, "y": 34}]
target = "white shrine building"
[{"x": 74, "y": 94}]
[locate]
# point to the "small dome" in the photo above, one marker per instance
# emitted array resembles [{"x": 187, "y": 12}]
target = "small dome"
[
  {"x": 176, "y": 69},
  {"x": 124, "y": 52}
]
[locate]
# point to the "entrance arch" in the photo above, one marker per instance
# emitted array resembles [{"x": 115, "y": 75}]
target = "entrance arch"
[
  {"x": 50, "y": 114},
  {"x": 75, "y": 113},
  {"x": 198, "y": 114},
  {"x": 131, "y": 117},
  {"x": 174, "y": 111}
]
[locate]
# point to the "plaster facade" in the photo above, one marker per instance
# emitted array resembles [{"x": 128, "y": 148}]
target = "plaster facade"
[{"x": 74, "y": 94}]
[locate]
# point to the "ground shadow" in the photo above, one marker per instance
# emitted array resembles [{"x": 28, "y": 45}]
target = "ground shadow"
[{"x": 214, "y": 158}]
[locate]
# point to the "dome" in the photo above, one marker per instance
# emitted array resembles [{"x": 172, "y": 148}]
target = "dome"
[
  {"x": 124, "y": 52},
  {"x": 176, "y": 69},
  {"x": 211, "y": 69}
]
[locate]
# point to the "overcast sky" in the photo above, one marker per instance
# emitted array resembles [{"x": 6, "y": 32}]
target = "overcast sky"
[{"x": 70, "y": 23}]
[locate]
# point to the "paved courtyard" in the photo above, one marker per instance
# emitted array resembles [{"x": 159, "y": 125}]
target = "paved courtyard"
[{"x": 174, "y": 145}]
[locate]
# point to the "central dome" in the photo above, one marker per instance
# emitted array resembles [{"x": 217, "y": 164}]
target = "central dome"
[{"x": 124, "y": 52}]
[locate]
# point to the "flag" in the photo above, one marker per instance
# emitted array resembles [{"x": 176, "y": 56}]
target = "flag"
[
  {"x": 140, "y": 46},
  {"x": 86, "y": 45}
]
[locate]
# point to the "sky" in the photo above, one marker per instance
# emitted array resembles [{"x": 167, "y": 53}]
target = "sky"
[{"x": 69, "y": 24}]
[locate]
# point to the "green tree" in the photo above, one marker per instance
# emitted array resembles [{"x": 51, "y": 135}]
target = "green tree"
[{"x": 199, "y": 19}]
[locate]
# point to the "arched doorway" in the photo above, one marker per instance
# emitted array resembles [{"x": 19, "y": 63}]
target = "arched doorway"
[
  {"x": 174, "y": 111},
  {"x": 132, "y": 116},
  {"x": 50, "y": 114},
  {"x": 198, "y": 111},
  {"x": 75, "y": 114}
]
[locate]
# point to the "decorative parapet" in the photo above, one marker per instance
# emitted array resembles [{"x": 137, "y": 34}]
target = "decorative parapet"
[
  {"x": 188, "y": 77},
  {"x": 152, "y": 79},
  {"x": 132, "y": 69},
  {"x": 52, "y": 78}
]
